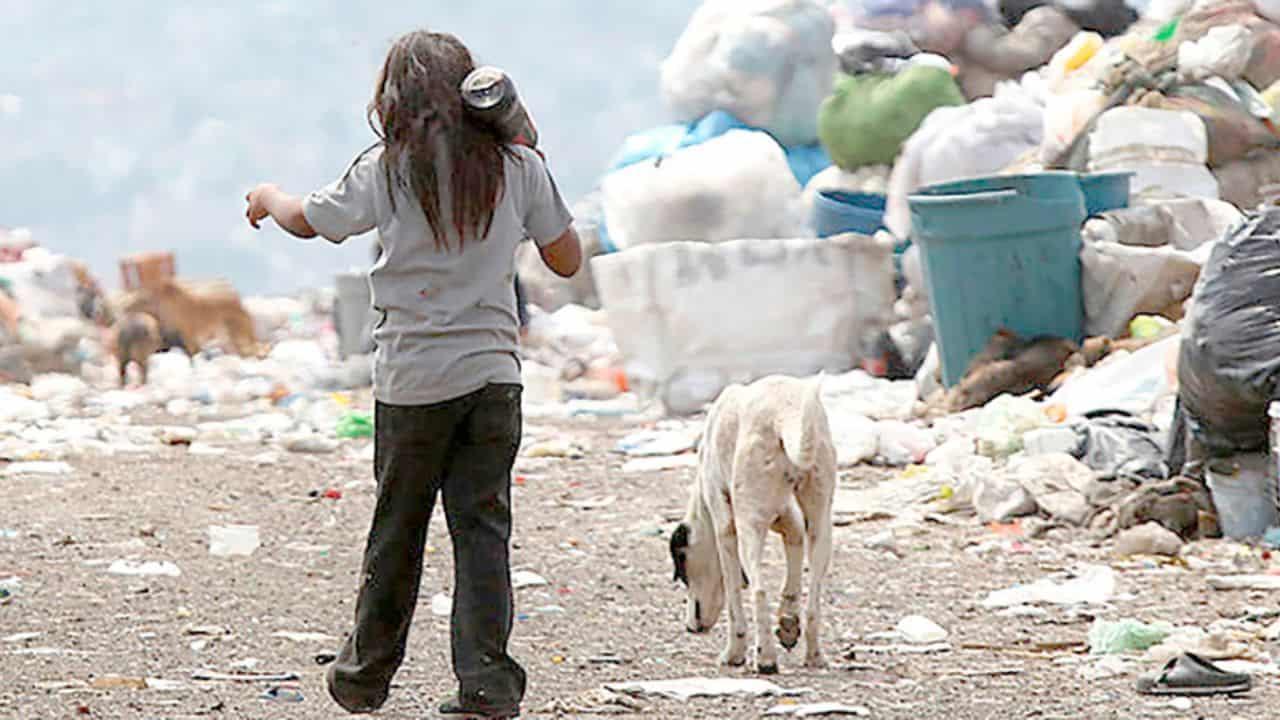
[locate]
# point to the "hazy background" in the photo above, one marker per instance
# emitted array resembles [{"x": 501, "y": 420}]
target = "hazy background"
[{"x": 136, "y": 125}]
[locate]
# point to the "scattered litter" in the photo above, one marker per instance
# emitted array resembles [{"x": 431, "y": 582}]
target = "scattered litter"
[
  {"x": 1244, "y": 582},
  {"x": 303, "y": 637},
  {"x": 660, "y": 463},
  {"x": 930, "y": 649},
  {"x": 178, "y": 435},
  {"x": 593, "y": 702},
  {"x": 117, "y": 682},
  {"x": 144, "y": 569},
  {"x": 818, "y": 710},
  {"x": 920, "y": 630},
  {"x": 308, "y": 548},
  {"x": 210, "y": 676},
  {"x": 355, "y": 425},
  {"x": 265, "y": 459},
  {"x": 652, "y": 443},
  {"x": 1211, "y": 644},
  {"x": 205, "y": 450},
  {"x": 1107, "y": 667},
  {"x": 1095, "y": 585},
  {"x": 689, "y": 688},
  {"x": 42, "y": 468},
  {"x": 20, "y": 637},
  {"x": 9, "y": 587},
  {"x": 280, "y": 694},
  {"x": 233, "y": 540},
  {"x": 162, "y": 685},
  {"x": 589, "y": 503},
  {"x": 309, "y": 444},
  {"x": 1148, "y": 539},
  {"x": 556, "y": 449},
  {"x": 441, "y": 605},
  {"x": 1115, "y": 638},
  {"x": 207, "y": 630},
  {"x": 525, "y": 579}
]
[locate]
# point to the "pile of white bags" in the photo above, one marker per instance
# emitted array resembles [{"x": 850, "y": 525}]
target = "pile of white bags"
[
  {"x": 43, "y": 284},
  {"x": 737, "y": 185},
  {"x": 769, "y": 62}
]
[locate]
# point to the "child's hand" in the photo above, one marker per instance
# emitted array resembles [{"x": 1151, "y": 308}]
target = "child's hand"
[{"x": 257, "y": 199}]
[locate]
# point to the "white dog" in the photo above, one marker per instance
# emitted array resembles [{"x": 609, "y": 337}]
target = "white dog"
[{"x": 766, "y": 461}]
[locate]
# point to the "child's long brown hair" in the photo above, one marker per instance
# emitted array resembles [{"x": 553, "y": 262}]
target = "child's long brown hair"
[{"x": 417, "y": 111}]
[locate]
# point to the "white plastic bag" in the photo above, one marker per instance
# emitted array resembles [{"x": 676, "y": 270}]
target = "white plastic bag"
[
  {"x": 1003, "y": 422},
  {"x": 735, "y": 186},
  {"x": 1132, "y": 382},
  {"x": 1124, "y": 276},
  {"x": 1166, "y": 149},
  {"x": 1224, "y": 52},
  {"x": 769, "y": 62},
  {"x": 955, "y": 143},
  {"x": 695, "y": 317}
]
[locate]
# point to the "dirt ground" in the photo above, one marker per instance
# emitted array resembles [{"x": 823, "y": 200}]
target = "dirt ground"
[{"x": 611, "y": 613}]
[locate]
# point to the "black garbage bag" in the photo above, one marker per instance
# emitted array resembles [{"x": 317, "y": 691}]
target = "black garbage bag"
[
  {"x": 1229, "y": 361},
  {"x": 1119, "y": 446}
]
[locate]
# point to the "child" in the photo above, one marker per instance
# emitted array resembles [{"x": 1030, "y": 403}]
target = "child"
[{"x": 450, "y": 202}]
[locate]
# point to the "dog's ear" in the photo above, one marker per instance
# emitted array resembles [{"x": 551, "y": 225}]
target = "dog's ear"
[{"x": 679, "y": 553}]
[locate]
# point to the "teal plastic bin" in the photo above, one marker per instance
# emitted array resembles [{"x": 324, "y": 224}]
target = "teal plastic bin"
[{"x": 1000, "y": 252}]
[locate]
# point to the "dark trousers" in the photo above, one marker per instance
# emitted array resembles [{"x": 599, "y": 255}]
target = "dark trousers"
[{"x": 462, "y": 449}]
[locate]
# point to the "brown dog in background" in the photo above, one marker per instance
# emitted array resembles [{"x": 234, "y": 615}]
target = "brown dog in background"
[{"x": 198, "y": 314}]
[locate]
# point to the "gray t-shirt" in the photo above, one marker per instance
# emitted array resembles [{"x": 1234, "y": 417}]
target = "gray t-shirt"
[{"x": 448, "y": 323}]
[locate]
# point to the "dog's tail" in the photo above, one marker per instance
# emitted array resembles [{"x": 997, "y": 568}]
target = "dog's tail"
[{"x": 803, "y": 426}]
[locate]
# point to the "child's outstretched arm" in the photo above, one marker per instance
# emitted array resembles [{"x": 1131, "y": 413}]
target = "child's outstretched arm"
[{"x": 269, "y": 200}]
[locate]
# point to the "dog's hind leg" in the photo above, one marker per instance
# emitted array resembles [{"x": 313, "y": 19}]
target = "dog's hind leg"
[
  {"x": 751, "y": 539},
  {"x": 817, "y": 512},
  {"x": 791, "y": 527}
]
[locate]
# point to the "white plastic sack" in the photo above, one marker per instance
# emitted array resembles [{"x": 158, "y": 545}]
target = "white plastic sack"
[
  {"x": 1224, "y": 52},
  {"x": 1123, "y": 277},
  {"x": 1132, "y": 382},
  {"x": 769, "y": 62},
  {"x": 695, "y": 317},
  {"x": 955, "y": 143},
  {"x": 1168, "y": 150},
  {"x": 735, "y": 186}
]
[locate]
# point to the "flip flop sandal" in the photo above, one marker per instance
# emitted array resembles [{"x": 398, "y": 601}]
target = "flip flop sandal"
[{"x": 1190, "y": 674}]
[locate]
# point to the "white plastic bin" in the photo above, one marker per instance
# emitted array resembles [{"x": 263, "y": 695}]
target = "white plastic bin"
[{"x": 1244, "y": 493}]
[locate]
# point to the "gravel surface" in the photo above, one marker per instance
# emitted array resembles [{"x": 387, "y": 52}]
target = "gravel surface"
[{"x": 610, "y": 614}]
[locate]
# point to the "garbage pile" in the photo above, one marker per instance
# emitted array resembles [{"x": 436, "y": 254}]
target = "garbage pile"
[{"x": 986, "y": 226}]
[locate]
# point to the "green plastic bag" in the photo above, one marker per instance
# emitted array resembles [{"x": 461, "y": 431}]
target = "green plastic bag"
[
  {"x": 869, "y": 117},
  {"x": 1128, "y": 635},
  {"x": 355, "y": 425}
]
